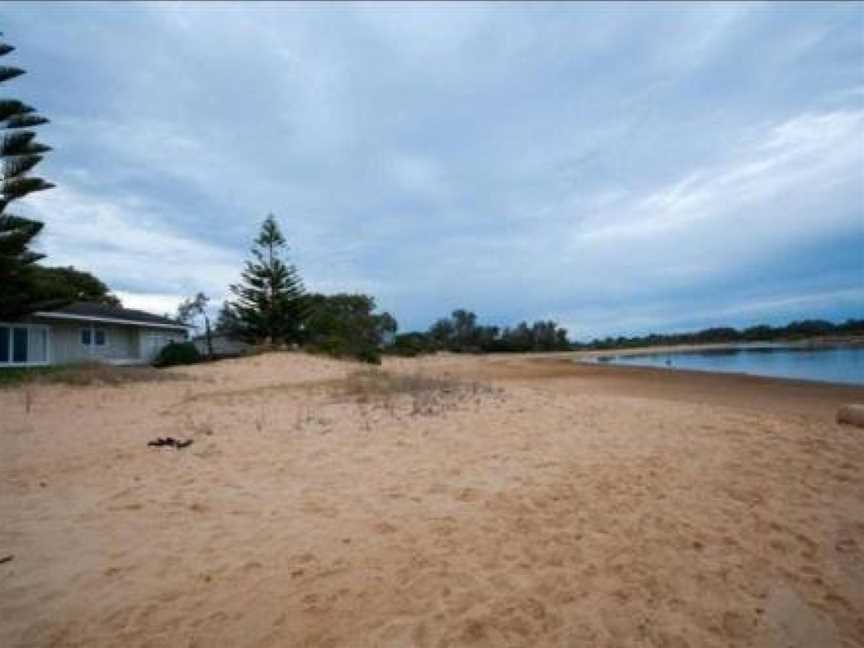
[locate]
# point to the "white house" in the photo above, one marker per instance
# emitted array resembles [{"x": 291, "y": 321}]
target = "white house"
[{"x": 84, "y": 331}]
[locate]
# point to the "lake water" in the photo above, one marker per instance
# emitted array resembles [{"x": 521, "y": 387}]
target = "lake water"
[{"x": 834, "y": 364}]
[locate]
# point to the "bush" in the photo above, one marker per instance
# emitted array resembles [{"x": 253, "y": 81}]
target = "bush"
[
  {"x": 339, "y": 347},
  {"x": 410, "y": 345},
  {"x": 177, "y": 353}
]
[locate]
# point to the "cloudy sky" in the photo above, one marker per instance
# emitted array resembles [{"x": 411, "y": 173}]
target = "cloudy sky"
[{"x": 619, "y": 168}]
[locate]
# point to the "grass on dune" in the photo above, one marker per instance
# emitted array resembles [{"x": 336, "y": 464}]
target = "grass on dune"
[{"x": 82, "y": 374}]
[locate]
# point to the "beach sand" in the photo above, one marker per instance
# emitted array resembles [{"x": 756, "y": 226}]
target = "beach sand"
[{"x": 540, "y": 503}]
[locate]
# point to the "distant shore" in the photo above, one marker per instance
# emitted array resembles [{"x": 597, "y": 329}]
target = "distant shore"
[{"x": 816, "y": 342}]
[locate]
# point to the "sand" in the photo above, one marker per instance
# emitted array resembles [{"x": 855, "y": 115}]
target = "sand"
[{"x": 565, "y": 506}]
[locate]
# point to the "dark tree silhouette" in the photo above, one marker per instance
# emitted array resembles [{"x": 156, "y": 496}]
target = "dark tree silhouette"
[
  {"x": 347, "y": 325},
  {"x": 19, "y": 153},
  {"x": 49, "y": 285},
  {"x": 269, "y": 304}
]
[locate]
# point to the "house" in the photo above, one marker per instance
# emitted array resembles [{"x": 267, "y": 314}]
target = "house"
[{"x": 83, "y": 331}]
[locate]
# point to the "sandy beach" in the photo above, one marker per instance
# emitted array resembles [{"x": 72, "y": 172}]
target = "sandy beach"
[{"x": 514, "y": 502}]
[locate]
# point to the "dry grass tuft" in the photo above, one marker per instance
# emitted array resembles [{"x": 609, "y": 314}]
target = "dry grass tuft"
[
  {"x": 97, "y": 373},
  {"x": 427, "y": 395}
]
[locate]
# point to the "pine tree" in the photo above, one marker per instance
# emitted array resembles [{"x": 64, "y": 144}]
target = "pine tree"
[
  {"x": 227, "y": 322},
  {"x": 270, "y": 297},
  {"x": 19, "y": 153}
]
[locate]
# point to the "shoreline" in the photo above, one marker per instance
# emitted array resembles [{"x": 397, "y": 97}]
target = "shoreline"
[
  {"x": 561, "y": 373},
  {"x": 743, "y": 374},
  {"x": 811, "y": 343},
  {"x": 609, "y": 360}
]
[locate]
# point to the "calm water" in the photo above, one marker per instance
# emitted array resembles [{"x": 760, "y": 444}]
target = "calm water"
[{"x": 837, "y": 364}]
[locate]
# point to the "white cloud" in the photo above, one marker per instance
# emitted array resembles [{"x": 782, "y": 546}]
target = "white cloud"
[
  {"x": 150, "y": 302},
  {"x": 806, "y": 156},
  {"x": 794, "y": 303},
  {"x": 127, "y": 244}
]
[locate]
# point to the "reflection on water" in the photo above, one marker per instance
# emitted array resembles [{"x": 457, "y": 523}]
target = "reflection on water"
[{"x": 832, "y": 364}]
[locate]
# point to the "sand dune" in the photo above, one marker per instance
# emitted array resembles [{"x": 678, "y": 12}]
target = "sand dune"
[{"x": 541, "y": 512}]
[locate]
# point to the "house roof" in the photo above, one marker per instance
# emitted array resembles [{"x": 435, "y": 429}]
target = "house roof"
[{"x": 92, "y": 311}]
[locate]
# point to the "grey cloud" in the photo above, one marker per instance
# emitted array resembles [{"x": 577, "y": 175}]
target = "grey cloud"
[{"x": 521, "y": 160}]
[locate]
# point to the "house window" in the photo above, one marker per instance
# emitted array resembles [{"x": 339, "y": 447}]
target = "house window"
[
  {"x": 23, "y": 345},
  {"x": 93, "y": 336},
  {"x": 19, "y": 344}
]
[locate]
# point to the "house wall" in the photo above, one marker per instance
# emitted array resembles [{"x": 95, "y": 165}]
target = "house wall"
[
  {"x": 38, "y": 344},
  {"x": 132, "y": 343},
  {"x": 152, "y": 340},
  {"x": 121, "y": 343}
]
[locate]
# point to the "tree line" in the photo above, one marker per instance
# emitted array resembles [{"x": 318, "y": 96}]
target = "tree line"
[
  {"x": 270, "y": 306},
  {"x": 460, "y": 333},
  {"x": 797, "y": 330}
]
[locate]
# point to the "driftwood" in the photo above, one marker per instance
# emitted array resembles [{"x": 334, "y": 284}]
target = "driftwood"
[
  {"x": 6, "y": 559},
  {"x": 171, "y": 442},
  {"x": 851, "y": 415}
]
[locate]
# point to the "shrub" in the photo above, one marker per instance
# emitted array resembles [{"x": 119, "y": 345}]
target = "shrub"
[
  {"x": 177, "y": 353},
  {"x": 409, "y": 345},
  {"x": 339, "y": 347}
]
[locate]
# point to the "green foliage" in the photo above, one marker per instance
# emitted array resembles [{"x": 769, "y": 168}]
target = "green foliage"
[
  {"x": 68, "y": 284},
  {"x": 460, "y": 333},
  {"x": 19, "y": 153},
  {"x": 540, "y": 336},
  {"x": 346, "y": 325},
  {"x": 177, "y": 353},
  {"x": 348, "y": 316},
  {"x": 227, "y": 322},
  {"x": 339, "y": 347},
  {"x": 269, "y": 300},
  {"x": 410, "y": 345}
]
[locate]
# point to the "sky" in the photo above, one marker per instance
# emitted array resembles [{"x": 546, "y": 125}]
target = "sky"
[{"x": 619, "y": 168}]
